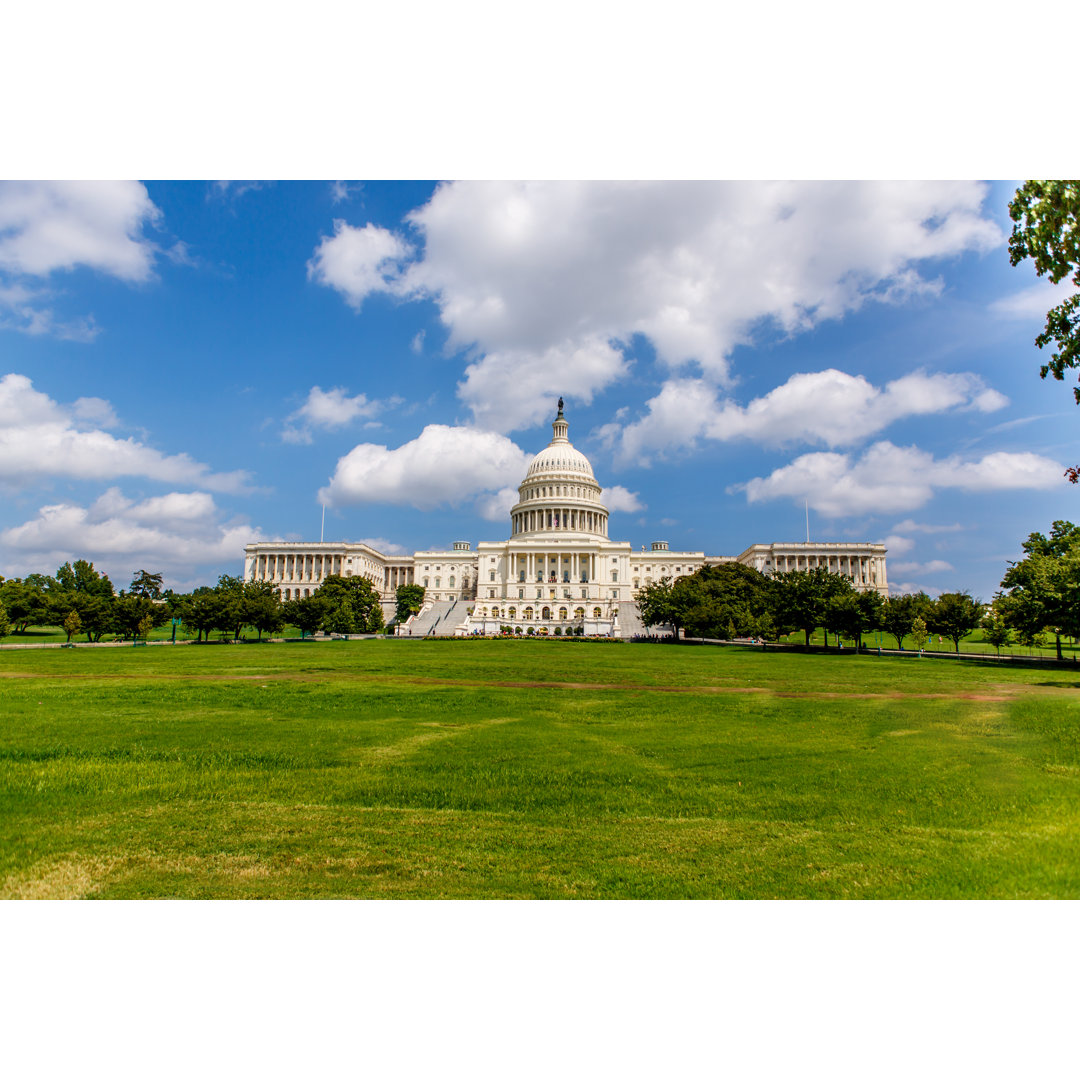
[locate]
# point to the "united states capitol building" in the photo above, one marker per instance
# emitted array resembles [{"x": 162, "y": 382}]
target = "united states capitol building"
[{"x": 558, "y": 568}]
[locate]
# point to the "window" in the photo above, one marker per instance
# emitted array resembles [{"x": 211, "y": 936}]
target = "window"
[
  {"x": 521, "y": 575},
  {"x": 491, "y": 594},
  {"x": 513, "y": 613},
  {"x": 521, "y": 594},
  {"x": 528, "y": 613},
  {"x": 566, "y": 575},
  {"x": 438, "y": 583},
  {"x": 451, "y": 581},
  {"x": 614, "y": 575},
  {"x": 491, "y": 576},
  {"x": 637, "y": 583},
  {"x": 579, "y": 613},
  {"x": 425, "y": 583},
  {"x": 596, "y": 613},
  {"x": 584, "y": 594},
  {"x": 566, "y": 594},
  {"x": 545, "y": 613},
  {"x": 539, "y": 594},
  {"x": 562, "y": 614}
]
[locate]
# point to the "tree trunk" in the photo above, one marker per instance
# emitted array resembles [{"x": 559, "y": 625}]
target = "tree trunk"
[{"x": 1058, "y": 637}]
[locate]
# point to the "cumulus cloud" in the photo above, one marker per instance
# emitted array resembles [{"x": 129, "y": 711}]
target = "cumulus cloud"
[
  {"x": 41, "y": 438},
  {"x": 441, "y": 466},
  {"x": 327, "y": 409},
  {"x": 524, "y": 270},
  {"x": 509, "y": 391},
  {"x": 890, "y": 478},
  {"x": 826, "y": 407},
  {"x": 52, "y": 226},
  {"x": 618, "y": 498},
  {"x": 357, "y": 262},
  {"x": 898, "y": 545},
  {"x": 177, "y": 532}
]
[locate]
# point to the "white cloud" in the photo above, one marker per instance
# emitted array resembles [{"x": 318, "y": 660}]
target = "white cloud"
[
  {"x": 898, "y": 545},
  {"x": 51, "y": 226},
  {"x": 40, "y": 438},
  {"x": 890, "y": 478},
  {"x": 177, "y": 532},
  {"x": 935, "y": 566},
  {"x": 909, "y": 526},
  {"x": 343, "y": 191},
  {"x": 387, "y": 547},
  {"x": 907, "y": 587},
  {"x": 1033, "y": 302},
  {"x": 357, "y": 262},
  {"x": 509, "y": 391},
  {"x": 441, "y": 466},
  {"x": 58, "y": 225},
  {"x": 495, "y": 506},
  {"x": 235, "y": 189},
  {"x": 327, "y": 409},
  {"x": 521, "y": 269},
  {"x": 417, "y": 343},
  {"x": 618, "y": 498},
  {"x": 826, "y": 407}
]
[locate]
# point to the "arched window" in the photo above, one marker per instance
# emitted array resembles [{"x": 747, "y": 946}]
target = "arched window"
[
  {"x": 562, "y": 614},
  {"x": 579, "y": 613},
  {"x": 451, "y": 581},
  {"x": 528, "y": 613},
  {"x": 596, "y": 613},
  {"x": 513, "y": 613},
  {"x": 546, "y": 613}
]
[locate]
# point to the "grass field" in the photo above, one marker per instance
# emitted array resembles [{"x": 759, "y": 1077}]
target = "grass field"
[{"x": 533, "y": 769}]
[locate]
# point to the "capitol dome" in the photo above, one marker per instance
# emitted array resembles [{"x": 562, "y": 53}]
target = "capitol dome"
[{"x": 559, "y": 493}]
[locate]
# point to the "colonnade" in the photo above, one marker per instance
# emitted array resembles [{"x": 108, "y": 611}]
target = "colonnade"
[
  {"x": 283, "y": 567},
  {"x": 862, "y": 569},
  {"x": 397, "y": 575},
  {"x": 539, "y": 567},
  {"x": 568, "y": 518}
]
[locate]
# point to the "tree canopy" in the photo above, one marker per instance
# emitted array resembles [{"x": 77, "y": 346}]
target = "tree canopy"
[{"x": 1046, "y": 229}]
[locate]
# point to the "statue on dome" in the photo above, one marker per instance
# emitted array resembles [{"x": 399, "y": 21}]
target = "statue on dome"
[{"x": 559, "y": 417}]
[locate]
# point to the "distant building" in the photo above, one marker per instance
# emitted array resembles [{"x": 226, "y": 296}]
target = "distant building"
[{"x": 557, "y": 569}]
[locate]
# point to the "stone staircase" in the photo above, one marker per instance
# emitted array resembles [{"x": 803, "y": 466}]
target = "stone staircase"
[
  {"x": 630, "y": 620},
  {"x": 438, "y": 619}
]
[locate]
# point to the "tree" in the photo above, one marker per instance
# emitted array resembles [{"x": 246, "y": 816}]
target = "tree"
[
  {"x": 801, "y": 598},
  {"x": 1042, "y": 590},
  {"x": 726, "y": 601},
  {"x": 410, "y": 599},
  {"x": 72, "y": 624},
  {"x": 5, "y": 624},
  {"x": 306, "y": 614},
  {"x": 1046, "y": 229},
  {"x": 918, "y": 633},
  {"x": 261, "y": 607},
  {"x": 900, "y": 612},
  {"x": 656, "y": 606},
  {"x": 129, "y": 613},
  {"x": 146, "y": 585},
  {"x": 364, "y": 612},
  {"x": 996, "y": 630},
  {"x": 955, "y": 615},
  {"x": 26, "y": 602}
]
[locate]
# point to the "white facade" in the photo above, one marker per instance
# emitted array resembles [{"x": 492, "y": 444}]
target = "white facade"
[{"x": 558, "y": 567}]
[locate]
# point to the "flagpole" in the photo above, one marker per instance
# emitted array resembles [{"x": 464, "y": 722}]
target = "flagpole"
[
  {"x": 806, "y": 507},
  {"x": 322, "y": 528}
]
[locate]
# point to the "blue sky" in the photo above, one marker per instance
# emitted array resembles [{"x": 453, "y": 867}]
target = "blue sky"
[{"x": 191, "y": 366}]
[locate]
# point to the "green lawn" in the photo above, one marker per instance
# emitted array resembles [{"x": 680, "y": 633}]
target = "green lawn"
[{"x": 533, "y": 769}]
